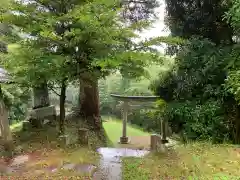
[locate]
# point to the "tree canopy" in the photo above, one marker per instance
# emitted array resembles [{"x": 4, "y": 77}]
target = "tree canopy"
[
  {"x": 64, "y": 41},
  {"x": 76, "y": 35}
]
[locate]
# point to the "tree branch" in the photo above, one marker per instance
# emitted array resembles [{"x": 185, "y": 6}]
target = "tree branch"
[{"x": 53, "y": 90}]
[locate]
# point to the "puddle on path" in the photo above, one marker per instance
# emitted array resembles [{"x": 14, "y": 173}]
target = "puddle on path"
[
  {"x": 18, "y": 166},
  {"x": 110, "y": 163},
  {"x": 79, "y": 168}
]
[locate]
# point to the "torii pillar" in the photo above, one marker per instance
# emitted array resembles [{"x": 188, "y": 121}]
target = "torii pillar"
[
  {"x": 125, "y": 99},
  {"x": 124, "y": 139}
]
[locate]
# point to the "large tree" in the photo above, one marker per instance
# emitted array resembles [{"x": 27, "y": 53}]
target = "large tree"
[{"x": 92, "y": 37}]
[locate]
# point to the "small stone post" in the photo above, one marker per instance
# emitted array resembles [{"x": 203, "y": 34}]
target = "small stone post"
[
  {"x": 83, "y": 136},
  {"x": 155, "y": 140},
  {"x": 65, "y": 139},
  {"x": 26, "y": 125},
  {"x": 124, "y": 138},
  {"x": 164, "y": 131}
]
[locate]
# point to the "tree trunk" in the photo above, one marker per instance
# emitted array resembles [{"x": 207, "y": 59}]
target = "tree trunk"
[
  {"x": 40, "y": 96},
  {"x": 89, "y": 100},
  {"x": 62, "y": 107}
]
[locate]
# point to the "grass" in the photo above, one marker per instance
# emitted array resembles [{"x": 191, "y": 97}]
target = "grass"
[
  {"x": 113, "y": 129},
  {"x": 200, "y": 161}
]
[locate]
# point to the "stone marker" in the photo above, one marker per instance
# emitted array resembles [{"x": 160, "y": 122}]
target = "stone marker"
[
  {"x": 26, "y": 125},
  {"x": 35, "y": 123},
  {"x": 83, "y": 136},
  {"x": 65, "y": 139},
  {"x": 155, "y": 140},
  {"x": 164, "y": 131},
  {"x": 48, "y": 112}
]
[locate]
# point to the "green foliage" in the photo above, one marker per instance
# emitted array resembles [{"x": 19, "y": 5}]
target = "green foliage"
[
  {"x": 198, "y": 72},
  {"x": 195, "y": 92},
  {"x": 232, "y": 81},
  {"x": 233, "y": 16},
  {"x": 132, "y": 171},
  {"x": 199, "y": 17},
  {"x": 33, "y": 65},
  {"x": 16, "y": 99},
  {"x": 200, "y": 121},
  {"x": 65, "y": 38}
]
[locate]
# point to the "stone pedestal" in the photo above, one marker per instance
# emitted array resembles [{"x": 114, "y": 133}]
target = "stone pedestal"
[{"x": 124, "y": 140}]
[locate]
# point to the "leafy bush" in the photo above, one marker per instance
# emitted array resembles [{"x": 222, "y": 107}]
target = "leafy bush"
[
  {"x": 199, "y": 121},
  {"x": 195, "y": 92},
  {"x": 146, "y": 119}
]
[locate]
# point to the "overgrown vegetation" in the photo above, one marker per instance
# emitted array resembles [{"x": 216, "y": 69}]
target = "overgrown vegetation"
[
  {"x": 193, "y": 161},
  {"x": 201, "y": 89}
]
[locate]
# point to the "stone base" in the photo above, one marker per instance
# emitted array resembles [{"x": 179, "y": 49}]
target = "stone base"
[
  {"x": 124, "y": 140},
  {"x": 65, "y": 139}
]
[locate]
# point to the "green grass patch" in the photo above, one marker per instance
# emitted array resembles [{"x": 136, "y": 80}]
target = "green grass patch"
[
  {"x": 200, "y": 161},
  {"x": 16, "y": 126},
  {"x": 132, "y": 168},
  {"x": 113, "y": 130}
]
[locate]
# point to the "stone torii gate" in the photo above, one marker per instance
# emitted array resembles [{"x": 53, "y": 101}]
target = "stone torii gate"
[{"x": 126, "y": 106}]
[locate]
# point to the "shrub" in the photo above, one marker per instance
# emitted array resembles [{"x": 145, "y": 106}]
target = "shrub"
[{"x": 199, "y": 121}]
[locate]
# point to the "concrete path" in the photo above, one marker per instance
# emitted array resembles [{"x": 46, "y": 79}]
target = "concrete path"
[{"x": 110, "y": 167}]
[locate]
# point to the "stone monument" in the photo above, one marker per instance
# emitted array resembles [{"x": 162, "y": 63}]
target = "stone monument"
[{"x": 42, "y": 112}]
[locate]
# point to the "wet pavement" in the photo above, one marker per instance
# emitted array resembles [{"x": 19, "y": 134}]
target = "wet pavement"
[
  {"x": 19, "y": 166},
  {"x": 110, "y": 163},
  {"x": 109, "y": 167}
]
